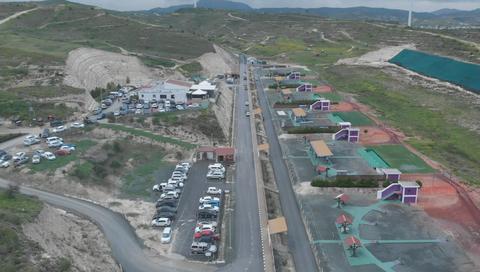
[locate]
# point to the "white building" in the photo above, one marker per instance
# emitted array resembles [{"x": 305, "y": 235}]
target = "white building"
[
  {"x": 204, "y": 86},
  {"x": 174, "y": 90}
]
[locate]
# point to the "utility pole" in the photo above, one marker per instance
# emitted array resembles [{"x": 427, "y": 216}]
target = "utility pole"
[{"x": 410, "y": 14}]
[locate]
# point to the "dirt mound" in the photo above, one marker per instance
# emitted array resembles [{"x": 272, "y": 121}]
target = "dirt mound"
[
  {"x": 377, "y": 58},
  {"x": 63, "y": 234},
  {"x": 89, "y": 68},
  {"x": 375, "y": 135},
  {"x": 218, "y": 63}
]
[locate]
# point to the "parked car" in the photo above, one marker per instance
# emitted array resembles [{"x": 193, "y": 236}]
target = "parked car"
[
  {"x": 77, "y": 125},
  {"x": 161, "y": 222},
  {"x": 247, "y": 114},
  {"x": 209, "y": 207},
  {"x": 138, "y": 111},
  {"x": 203, "y": 248},
  {"x": 45, "y": 133},
  {"x": 166, "y": 209},
  {"x": 246, "y": 103},
  {"x": 21, "y": 161},
  {"x": 4, "y": 164},
  {"x": 39, "y": 152},
  {"x": 208, "y": 198},
  {"x": 5, "y": 157},
  {"x": 62, "y": 152},
  {"x": 49, "y": 156},
  {"x": 101, "y": 116},
  {"x": 139, "y": 106},
  {"x": 2, "y": 152},
  {"x": 116, "y": 113},
  {"x": 214, "y": 191},
  {"x": 204, "y": 227},
  {"x": 180, "y": 107},
  {"x": 169, "y": 195},
  {"x": 54, "y": 144},
  {"x": 31, "y": 141},
  {"x": 166, "y": 235},
  {"x": 215, "y": 174},
  {"x": 54, "y": 138},
  {"x": 70, "y": 148},
  {"x": 59, "y": 129},
  {"x": 216, "y": 166},
  {"x": 168, "y": 215},
  {"x": 56, "y": 123},
  {"x": 35, "y": 159},
  {"x": 154, "y": 105},
  {"x": 193, "y": 106},
  {"x": 169, "y": 203},
  {"x": 18, "y": 156}
]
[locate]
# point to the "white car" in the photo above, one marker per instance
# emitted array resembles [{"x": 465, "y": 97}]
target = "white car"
[
  {"x": 180, "y": 107},
  {"x": 212, "y": 223},
  {"x": 4, "y": 164},
  {"x": 156, "y": 188},
  {"x": 51, "y": 139},
  {"x": 214, "y": 191},
  {"x": 166, "y": 235},
  {"x": 138, "y": 111},
  {"x": 49, "y": 156},
  {"x": 209, "y": 207},
  {"x": 58, "y": 129},
  {"x": 207, "y": 199},
  {"x": 139, "y": 106},
  {"x": 55, "y": 144},
  {"x": 68, "y": 147},
  {"x": 216, "y": 166},
  {"x": 193, "y": 106},
  {"x": 35, "y": 159},
  {"x": 77, "y": 125},
  {"x": 169, "y": 195},
  {"x": 31, "y": 141},
  {"x": 154, "y": 105},
  {"x": 161, "y": 222},
  {"x": 18, "y": 156},
  {"x": 116, "y": 113},
  {"x": 215, "y": 174},
  {"x": 247, "y": 114}
]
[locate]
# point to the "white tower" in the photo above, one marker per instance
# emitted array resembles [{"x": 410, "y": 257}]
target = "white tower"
[
  {"x": 194, "y": 3},
  {"x": 410, "y": 14}
]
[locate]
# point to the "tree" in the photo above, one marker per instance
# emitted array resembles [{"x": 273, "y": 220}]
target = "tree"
[
  {"x": 128, "y": 80},
  {"x": 12, "y": 190}
]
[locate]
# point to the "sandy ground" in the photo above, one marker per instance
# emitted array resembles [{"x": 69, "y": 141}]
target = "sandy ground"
[
  {"x": 88, "y": 68},
  {"x": 377, "y": 58},
  {"x": 63, "y": 234},
  {"x": 374, "y": 135},
  {"x": 342, "y": 106},
  {"x": 218, "y": 63}
]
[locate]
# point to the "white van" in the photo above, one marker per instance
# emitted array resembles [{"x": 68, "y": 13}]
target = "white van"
[{"x": 52, "y": 139}]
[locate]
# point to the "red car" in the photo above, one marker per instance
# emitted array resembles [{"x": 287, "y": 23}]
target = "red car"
[
  {"x": 198, "y": 235},
  {"x": 62, "y": 152}
]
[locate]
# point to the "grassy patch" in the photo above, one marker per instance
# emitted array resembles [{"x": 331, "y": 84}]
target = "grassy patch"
[
  {"x": 18, "y": 209},
  {"x": 354, "y": 117},
  {"x": 139, "y": 181},
  {"x": 155, "y": 62},
  {"x": 433, "y": 120},
  {"x": 60, "y": 161},
  {"x": 191, "y": 68},
  {"x": 45, "y": 91},
  {"x": 149, "y": 135},
  {"x": 398, "y": 156},
  {"x": 333, "y": 97}
]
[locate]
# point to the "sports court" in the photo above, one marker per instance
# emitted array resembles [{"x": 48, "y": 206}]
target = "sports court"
[
  {"x": 398, "y": 156},
  {"x": 355, "y": 117}
]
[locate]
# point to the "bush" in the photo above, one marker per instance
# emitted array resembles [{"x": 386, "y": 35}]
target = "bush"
[
  {"x": 308, "y": 130},
  {"x": 345, "y": 183},
  {"x": 115, "y": 164}
]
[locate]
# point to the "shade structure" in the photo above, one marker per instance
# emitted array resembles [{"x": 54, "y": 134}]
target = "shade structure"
[
  {"x": 343, "y": 218},
  {"x": 343, "y": 197},
  {"x": 352, "y": 240}
]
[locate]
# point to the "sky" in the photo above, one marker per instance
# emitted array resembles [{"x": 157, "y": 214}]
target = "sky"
[{"x": 419, "y": 5}]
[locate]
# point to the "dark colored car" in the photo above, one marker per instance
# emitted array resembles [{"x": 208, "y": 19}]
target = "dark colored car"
[
  {"x": 169, "y": 203},
  {"x": 101, "y": 116},
  {"x": 2, "y": 152},
  {"x": 166, "y": 209},
  {"x": 56, "y": 123},
  {"x": 168, "y": 215},
  {"x": 5, "y": 157}
]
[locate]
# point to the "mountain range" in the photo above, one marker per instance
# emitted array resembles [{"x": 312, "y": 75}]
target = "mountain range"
[{"x": 441, "y": 17}]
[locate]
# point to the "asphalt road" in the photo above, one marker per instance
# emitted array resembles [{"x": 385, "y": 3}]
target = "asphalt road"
[
  {"x": 298, "y": 242},
  {"x": 247, "y": 245},
  {"x": 127, "y": 249}
]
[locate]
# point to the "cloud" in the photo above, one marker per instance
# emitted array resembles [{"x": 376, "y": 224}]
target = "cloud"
[{"x": 419, "y": 5}]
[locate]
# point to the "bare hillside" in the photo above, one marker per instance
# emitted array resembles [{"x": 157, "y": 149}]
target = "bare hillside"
[{"x": 89, "y": 68}]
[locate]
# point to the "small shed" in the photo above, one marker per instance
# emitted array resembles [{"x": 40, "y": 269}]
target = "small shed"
[
  {"x": 391, "y": 174},
  {"x": 410, "y": 190},
  {"x": 299, "y": 115},
  {"x": 345, "y": 124},
  {"x": 218, "y": 154},
  {"x": 305, "y": 87},
  {"x": 320, "y": 149},
  {"x": 321, "y": 105}
]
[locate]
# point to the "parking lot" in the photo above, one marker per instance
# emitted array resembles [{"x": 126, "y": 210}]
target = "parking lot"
[{"x": 188, "y": 204}]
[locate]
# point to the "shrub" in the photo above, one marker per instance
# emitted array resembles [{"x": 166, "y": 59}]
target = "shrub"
[
  {"x": 308, "y": 130},
  {"x": 345, "y": 183}
]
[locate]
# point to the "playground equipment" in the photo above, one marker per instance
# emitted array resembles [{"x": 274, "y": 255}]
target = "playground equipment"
[
  {"x": 344, "y": 125},
  {"x": 391, "y": 174},
  {"x": 344, "y": 221},
  {"x": 352, "y": 135},
  {"x": 407, "y": 191},
  {"x": 341, "y": 200},
  {"x": 320, "y": 105},
  {"x": 352, "y": 244},
  {"x": 305, "y": 87}
]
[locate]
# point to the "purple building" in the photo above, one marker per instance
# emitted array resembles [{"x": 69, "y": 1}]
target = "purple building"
[
  {"x": 294, "y": 76},
  {"x": 321, "y": 105},
  {"x": 406, "y": 191},
  {"x": 305, "y": 87},
  {"x": 352, "y": 135},
  {"x": 391, "y": 174},
  {"x": 345, "y": 124}
]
